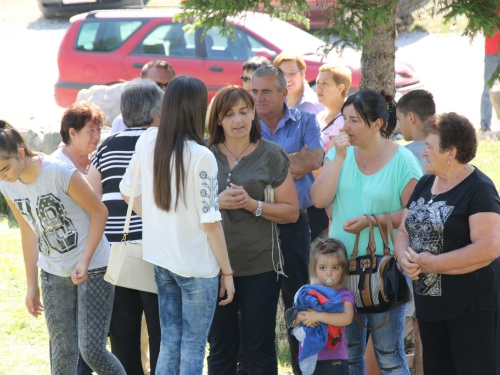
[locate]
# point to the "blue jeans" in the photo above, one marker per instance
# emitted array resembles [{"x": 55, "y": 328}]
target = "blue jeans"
[
  {"x": 78, "y": 317},
  {"x": 187, "y": 306},
  {"x": 388, "y": 343},
  {"x": 490, "y": 64},
  {"x": 295, "y": 244}
]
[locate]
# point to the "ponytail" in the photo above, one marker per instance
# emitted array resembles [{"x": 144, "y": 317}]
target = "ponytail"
[
  {"x": 390, "y": 121},
  {"x": 11, "y": 140}
]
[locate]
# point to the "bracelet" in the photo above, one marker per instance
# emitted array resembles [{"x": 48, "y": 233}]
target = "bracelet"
[{"x": 227, "y": 274}]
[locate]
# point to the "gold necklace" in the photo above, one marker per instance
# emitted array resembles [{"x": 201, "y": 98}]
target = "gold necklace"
[
  {"x": 77, "y": 164},
  {"x": 236, "y": 157},
  {"x": 446, "y": 187}
]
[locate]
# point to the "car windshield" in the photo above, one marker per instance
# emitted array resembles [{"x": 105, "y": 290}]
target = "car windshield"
[{"x": 284, "y": 35}]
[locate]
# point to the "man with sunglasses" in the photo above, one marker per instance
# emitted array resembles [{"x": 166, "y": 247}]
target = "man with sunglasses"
[
  {"x": 158, "y": 71},
  {"x": 248, "y": 68}
]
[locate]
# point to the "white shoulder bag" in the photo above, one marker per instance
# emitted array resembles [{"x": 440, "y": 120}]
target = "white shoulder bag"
[{"x": 126, "y": 268}]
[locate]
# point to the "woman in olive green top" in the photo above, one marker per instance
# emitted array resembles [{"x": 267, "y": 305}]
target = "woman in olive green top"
[{"x": 247, "y": 164}]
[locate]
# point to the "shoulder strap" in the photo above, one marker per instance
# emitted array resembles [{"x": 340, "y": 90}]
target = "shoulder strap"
[
  {"x": 370, "y": 249},
  {"x": 132, "y": 196},
  {"x": 331, "y": 122},
  {"x": 354, "y": 254},
  {"x": 383, "y": 234},
  {"x": 390, "y": 228}
]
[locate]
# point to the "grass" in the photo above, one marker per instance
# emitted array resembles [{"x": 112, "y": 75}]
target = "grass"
[
  {"x": 488, "y": 155},
  {"x": 24, "y": 349}
]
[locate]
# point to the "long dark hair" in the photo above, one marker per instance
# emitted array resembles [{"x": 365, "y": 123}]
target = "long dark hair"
[
  {"x": 371, "y": 105},
  {"x": 11, "y": 140},
  {"x": 183, "y": 114},
  {"x": 225, "y": 99}
]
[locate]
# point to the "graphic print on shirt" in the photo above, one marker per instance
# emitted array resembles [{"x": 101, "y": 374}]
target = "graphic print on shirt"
[
  {"x": 425, "y": 225},
  {"x": 53, "y": 229},
  {"x": 209, "y": 192}
]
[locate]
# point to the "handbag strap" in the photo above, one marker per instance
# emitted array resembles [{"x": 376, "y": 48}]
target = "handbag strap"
[
  {"x": 131, "y": 198},
  {"x": 383, "y": 234},
  {"x": 390, "y": 227},
  {"x": 365, "y": 326},
  {"x": 370, "y": 249}
]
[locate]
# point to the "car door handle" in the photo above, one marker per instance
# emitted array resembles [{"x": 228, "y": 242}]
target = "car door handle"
[
  {"x": 216, "y": 68},
  {"x": 137, "y": 65}
]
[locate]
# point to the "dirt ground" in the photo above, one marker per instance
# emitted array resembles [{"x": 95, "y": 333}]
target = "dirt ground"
[{"x": 450, "y": 66}]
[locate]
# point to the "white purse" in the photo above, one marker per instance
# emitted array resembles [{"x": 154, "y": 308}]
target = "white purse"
[{"x": 126, "y": 268}]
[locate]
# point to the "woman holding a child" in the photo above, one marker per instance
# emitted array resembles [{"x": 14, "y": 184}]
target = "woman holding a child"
[{"x": 367, "y": 173}]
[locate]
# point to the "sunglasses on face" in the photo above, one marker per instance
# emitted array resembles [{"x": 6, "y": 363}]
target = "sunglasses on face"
[
  {"x": 245, "y": 78},
  {"x": 162, "y": 86}
]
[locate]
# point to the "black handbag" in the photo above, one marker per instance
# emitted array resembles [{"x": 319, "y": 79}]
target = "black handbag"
[{"x": 376, "y": 281}]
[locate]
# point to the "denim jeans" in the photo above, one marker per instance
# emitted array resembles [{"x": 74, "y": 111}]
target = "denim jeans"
[
  {"x": 295, "y": 245},
  {"x": 388, "y": 343},
  {"x": 490, "y": 64},
  {"x": 187, "y": 306},
  {"x": 78, "y": 317},
  {"x": 257, "y": 297}
]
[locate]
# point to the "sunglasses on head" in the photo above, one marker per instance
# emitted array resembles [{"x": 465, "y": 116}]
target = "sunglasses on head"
[
  {"x": 162, "y": 85},
  {"x": 245, "y": 78}
]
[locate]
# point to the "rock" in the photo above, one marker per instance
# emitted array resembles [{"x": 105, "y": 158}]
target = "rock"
[
  {"x": 41, "y": 138},
  {"x": 107, "y": 98},
  {"x": 33, "y": 139},
  {"x": 50, "y": 142}
]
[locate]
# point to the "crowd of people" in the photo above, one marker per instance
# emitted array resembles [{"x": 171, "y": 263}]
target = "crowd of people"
[{"x": 230, "y": 196}]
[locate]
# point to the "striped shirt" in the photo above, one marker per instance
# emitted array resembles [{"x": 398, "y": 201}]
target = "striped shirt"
[{"x": 111, "y": 160}]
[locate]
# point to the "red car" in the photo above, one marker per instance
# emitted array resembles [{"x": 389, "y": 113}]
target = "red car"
[{"x": 106, "y": 47}]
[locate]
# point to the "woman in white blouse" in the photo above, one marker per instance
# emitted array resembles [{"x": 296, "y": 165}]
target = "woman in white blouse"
[{"x": 182, "y": 231}]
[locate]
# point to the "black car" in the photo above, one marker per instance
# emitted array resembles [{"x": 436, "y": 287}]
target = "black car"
[{"x": 66, "y": 8}]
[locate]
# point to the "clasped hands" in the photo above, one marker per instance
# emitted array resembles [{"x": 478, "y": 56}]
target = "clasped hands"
[
  {"x": 235, "y": 197},
  {"x": 413, "y": 264}
]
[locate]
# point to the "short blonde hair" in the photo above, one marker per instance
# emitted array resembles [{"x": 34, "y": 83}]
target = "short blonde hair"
[
  {"x": 285, "y": 56},
  {"x": 340, "y": 75}
]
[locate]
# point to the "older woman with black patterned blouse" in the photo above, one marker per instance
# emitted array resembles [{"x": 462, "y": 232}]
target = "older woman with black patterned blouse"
[{"x": 448, "y": 244}]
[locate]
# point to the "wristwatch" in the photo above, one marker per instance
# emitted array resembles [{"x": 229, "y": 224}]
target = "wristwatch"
[{"x": 258, "y": 211}]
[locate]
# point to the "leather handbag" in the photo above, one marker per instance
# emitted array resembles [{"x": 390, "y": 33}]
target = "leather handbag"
[
  {"x": 126, "y": 268},
  {"x": 376, "y": 281}
]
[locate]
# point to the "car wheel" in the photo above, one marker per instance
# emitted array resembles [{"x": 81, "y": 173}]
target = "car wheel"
[{"x": 47, "y": 13}]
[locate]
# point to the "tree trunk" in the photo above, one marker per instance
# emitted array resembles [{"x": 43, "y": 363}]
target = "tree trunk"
[{"x": 377, "y": 58}]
